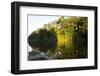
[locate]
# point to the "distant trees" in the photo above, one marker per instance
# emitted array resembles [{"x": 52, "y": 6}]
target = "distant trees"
[{"x": 64, "y": 38}]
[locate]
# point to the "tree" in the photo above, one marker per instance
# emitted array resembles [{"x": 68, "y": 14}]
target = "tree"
[
  {"x": 63, "y": 38},
  {"x": 44, "y": 40}
]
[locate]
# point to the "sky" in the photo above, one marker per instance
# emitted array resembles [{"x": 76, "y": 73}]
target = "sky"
[{"x": 38, "y": 21}]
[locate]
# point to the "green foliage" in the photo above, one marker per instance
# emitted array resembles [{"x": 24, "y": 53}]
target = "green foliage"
[
  {"x": 44, "y": 40},
  {"x": 62, "y": 39}
]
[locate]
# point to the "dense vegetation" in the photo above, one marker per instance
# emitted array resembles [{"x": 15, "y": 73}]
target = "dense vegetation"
[{"x": 62, "y": 39}]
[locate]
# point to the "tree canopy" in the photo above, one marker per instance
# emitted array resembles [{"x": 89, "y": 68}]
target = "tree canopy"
[{"x": 63, "y": 38}]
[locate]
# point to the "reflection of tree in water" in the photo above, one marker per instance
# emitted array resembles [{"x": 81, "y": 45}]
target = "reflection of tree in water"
[{"x": 62, "y": 39}]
